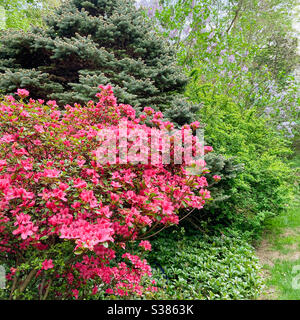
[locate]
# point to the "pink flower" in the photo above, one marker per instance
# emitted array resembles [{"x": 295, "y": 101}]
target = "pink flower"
[
  {"x": 75, "y": 293},
  {"x": 95, "y": 290},
  {"x": 81, "y": 162},
  {"x": 109, "y": 291},
  {"x": 208, "y": 149},
  {"x": 158, "y": 115},
  {"x": 51, "y": 103},
  {"x": 51, "y": 173},
  {"x": 3, "y": 163},
  {"x": 216, "y": 178},
  {"x": 168, "y": 125},
  {"x": 25, "y": 227},
  {"x": 116, "y": 184},
  {"x": 47, "y": 264},
  {"x": 22, "y": 93},
  {"x": 24, "y": 114},
  {"x": 148, "y": 110},
  {"x": 87, "y": 195},
  {"x": 37, "y": 142},
  {"x": 167, "y": 207},
  {"x": 39, "y": 128},
  {"x": 10, "y": 98},
  {"x": 143, "y": 117},
  {"x": 13, "y": 270},
  {"x": 76, "y": 205},
  {"x": 80, "y": 184},
  {"x": 146, "y": 245},
  {"x": 7, "y": 138},
  {"x": 195, "y": 125},
  {"x": 63, "y": 186}
]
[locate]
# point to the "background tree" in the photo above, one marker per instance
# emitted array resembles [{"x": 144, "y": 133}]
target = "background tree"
[
  {"x": 20, "y": 14},
  {"x": 87, "y": 43},
  {"x": 247, "y": 50}
]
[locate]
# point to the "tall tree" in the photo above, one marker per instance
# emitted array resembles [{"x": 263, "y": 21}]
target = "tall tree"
[
  {"x": 263, "y": 25},
  {"x": 92, "y": 42},
  {"x": 245, "y": 49}
]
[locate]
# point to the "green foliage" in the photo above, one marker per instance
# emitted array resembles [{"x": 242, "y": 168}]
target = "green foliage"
[
  {"x": 20, "y": 14},
  {"x": 221, "y": 192},
  {"x": 283, "y": 238},
  {"x": 263, "y": 189},
  {"x": 261, "y": 26},
  {"x": 87, "y": 43},
  {"x": 285, "y": 277},
  {"x": 194, "y": 267},
  {"x": 246, "y": 49}
]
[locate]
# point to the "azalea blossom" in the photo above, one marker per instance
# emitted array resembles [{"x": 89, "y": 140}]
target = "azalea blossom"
[
  {"x": 47, "y": 264},
  {"x": 56, "y": 197}
]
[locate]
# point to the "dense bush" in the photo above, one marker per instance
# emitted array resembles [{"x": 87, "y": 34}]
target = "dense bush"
[
  {"x": 262, "y": 189},
  {"x": 197, "y": 267},
  {"x": 70, "y": 224},
  {"x": 85, "y": 43},
  {"x": 211, "y": 217}
]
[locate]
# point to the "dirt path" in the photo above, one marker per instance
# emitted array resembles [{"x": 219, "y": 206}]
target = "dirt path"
[
  {"x": 279, "y": 251},
  {"x": 273, "y": 250}
]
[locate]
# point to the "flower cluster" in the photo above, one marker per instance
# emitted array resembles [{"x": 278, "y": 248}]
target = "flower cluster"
[{"x": 71, "y": 217}]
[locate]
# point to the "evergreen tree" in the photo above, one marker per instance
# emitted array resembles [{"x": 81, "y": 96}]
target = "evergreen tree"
[{"x": 91, "y": 42}]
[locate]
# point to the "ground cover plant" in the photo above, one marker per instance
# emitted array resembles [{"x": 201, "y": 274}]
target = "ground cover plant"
[{"x": 189, "y": 265}]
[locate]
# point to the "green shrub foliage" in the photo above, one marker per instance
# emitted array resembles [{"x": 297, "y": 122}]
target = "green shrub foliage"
[
  {"x": 262, "y": 189},
  {"x": 90, "y": 42}
]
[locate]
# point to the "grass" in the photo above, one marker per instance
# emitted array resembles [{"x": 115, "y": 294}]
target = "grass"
[
  {"x": 282, "y": 251},
  {"x": 285, "y": 277}
]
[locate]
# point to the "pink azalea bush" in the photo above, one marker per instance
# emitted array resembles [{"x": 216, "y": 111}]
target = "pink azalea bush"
[{"x": 71, "y": 226}]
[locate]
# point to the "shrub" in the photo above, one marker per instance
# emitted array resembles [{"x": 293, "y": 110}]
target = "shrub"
[
  {"x": 221, "y": 191},
  {"x": 71, "y": 225},
  {"x": 90, "y": 42},
  {"x": 201, "y": 267},
  {"x": 263, "y": 189}
]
